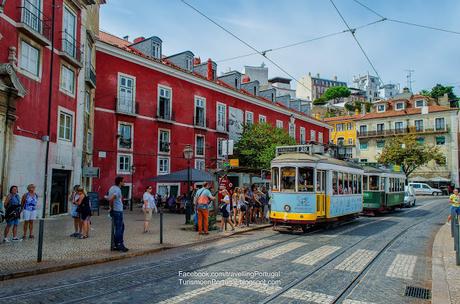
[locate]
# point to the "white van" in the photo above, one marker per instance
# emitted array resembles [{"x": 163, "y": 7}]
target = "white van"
[{"x": 424, "y": 189}]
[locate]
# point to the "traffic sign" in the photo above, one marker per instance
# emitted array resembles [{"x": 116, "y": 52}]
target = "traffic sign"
[{"x": 234, "y": 162}]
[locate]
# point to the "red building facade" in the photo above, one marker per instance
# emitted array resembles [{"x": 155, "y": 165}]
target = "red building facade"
[{"x": 148, "y": 109}]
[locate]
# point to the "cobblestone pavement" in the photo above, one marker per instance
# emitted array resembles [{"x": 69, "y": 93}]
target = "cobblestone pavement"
[
  {"x": 370, "y": 260},
  {"x": 60, "y": 249}
]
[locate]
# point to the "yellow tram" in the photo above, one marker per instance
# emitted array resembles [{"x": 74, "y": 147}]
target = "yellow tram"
[{"x": 309, "y": 187}]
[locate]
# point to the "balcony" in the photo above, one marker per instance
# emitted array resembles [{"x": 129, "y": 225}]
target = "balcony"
[
  {"x": 90, "y": 75},
  {"x": 402, "y": 131},
  {"x": 166, "y": 117},
  {"x": 164, "y": 147},
  {"x": 70, "y": 50},
  {"x": 126, "y": 107},
  {"x": 34, "y": 23}
]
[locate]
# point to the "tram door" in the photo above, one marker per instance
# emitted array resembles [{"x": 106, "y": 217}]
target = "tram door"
[{"x": 320, "y": 193}]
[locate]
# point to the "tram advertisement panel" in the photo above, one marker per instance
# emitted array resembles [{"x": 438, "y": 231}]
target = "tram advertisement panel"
[
  {"x": 345, "y": 204},
  {"x": 294, "y": 202}
]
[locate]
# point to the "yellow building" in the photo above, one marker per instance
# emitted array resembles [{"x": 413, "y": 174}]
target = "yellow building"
[{"x": 343, "y": 134}]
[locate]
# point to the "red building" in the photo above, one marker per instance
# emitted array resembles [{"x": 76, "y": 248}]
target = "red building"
[
  {"x": 149, "y": 107},
  {"x": 29, "y": 75}
]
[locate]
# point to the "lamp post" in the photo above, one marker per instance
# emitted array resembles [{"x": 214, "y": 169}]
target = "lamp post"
[
  {"x": 188, "y": 155},
  {"x": 133, "y": 170}
]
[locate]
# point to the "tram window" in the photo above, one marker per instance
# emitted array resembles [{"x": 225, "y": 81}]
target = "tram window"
[
  {"x": 334, "y": 182},
  {"x": 320, "y": 181},
  {"x": 373, "y": 183},
  {"x": 306, "y": 179},
  {"x": 347, "y": 178},
  {"x": 341, "y": 184},
  {"x": 365, "y": 184},
  {"x": 275, "y": 178},
  {"x": 382, "y": 183},
  {"x": 355, "y": 184},
  {"x": 360, "y": 184},
  {"x": 288, "y": 178},
  {"x": 392, "y": 184}
]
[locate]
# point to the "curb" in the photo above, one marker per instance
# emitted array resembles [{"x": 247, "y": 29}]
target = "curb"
[
  {"x": 50, "y": 269},
  {"x": 440, "y": 290}
]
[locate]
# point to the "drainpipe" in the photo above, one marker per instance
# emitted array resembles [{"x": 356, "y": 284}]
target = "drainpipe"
[{"x": 5, "y": 142}]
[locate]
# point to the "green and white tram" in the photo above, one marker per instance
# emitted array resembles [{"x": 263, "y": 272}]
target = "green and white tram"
[
  {"x": 310, "y": 188},
  {"x": 383, "y": 190}
]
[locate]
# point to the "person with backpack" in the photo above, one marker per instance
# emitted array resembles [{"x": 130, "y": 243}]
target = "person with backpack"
[
  {"x": 29, "y": 204},
  {"x": 12, "y": 214},
  {"x": 202, "y": 197},
  {"x": 84, "y": 209}
]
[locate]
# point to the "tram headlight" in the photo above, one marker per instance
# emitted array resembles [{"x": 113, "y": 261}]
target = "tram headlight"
[{"x": 287, "y": 208}]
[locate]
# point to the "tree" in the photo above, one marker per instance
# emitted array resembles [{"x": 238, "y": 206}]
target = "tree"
[
  {"x": 357, "y": 105},
  {"x": 256, "y": 147},
  {"x": 439, "y": 90},
  {"x": 319, "y": 101},
  {"x": 336, "y": 93},
  {"x": 408, "y": 153}
]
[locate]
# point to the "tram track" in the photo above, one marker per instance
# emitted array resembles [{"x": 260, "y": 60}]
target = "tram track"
[
  {"x": 356, "y": 279},
  {"x": 144, "y": 275}
]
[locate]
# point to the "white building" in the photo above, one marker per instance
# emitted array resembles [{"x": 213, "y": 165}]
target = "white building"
[{"x": 369, "y": 84}]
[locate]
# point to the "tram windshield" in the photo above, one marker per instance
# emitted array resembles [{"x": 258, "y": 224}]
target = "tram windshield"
[
  {"x": 288, "y": 178},
  {"x": 305, "y": 180}
]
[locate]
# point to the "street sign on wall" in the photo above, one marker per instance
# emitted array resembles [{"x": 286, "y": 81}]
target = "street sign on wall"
[{"x": 90, "y": 172}]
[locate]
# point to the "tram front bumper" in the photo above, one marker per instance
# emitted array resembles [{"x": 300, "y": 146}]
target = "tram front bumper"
[{"x": 292, "y": 218}]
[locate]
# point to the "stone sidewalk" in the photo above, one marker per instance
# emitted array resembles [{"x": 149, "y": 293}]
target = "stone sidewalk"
[
  {"x": 446, "y": 274},
  {"x": 62, "y": 251}
]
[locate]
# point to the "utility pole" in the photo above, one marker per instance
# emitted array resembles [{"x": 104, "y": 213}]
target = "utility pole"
[{"x": 409, "y": 79}]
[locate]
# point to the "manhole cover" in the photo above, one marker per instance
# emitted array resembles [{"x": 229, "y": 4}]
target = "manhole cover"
[{"x": 418, "y": 292}]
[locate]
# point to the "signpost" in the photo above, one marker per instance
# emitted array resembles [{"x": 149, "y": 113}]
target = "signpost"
[{"x": 94, "y": 201}]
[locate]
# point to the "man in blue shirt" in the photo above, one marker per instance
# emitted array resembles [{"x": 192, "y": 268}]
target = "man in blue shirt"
[{"x": 116, "y": 211}]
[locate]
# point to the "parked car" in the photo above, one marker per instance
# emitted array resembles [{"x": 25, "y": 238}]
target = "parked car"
[
  {"x": 409, "y": 196},
  {"x": 425, "y": 189}
]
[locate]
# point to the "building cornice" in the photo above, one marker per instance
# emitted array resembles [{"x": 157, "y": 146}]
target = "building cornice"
[
  {"x": 407, "y": 114},
  {"x": 128, "y": 56}
]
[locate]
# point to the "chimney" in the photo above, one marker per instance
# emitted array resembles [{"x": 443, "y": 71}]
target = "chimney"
[
  {"x": 246, "y": 79},
  {"x": 317, "y": 75},
  {"x": 356, "y": 112},
  {"x": 138, "y": 39},
  {"x": 335, "y": 77},
  {"x": 126, "y": 38},
  {"x": 363, "y": 109},
  {"x": 196, "y": 61},
  {"x": 210, "y": 73}
]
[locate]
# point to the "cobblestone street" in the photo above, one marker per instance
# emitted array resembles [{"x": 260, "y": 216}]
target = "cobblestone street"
[{"x": 370, "y": 260}]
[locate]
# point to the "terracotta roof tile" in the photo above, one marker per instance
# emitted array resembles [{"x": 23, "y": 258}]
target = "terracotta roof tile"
[
  {"x": 339, "y": 118},
  {"x": 409, "y": 111}
]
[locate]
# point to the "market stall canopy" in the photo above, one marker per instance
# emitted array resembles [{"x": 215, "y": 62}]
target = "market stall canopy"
[
  {"x": 439, "y": 179},
  {"x": 418, "y": 179},
  {"x": 182, "y": 176}
]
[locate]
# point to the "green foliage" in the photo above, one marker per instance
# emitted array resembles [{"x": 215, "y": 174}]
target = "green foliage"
[
  {"x": 425, "y": 93},
  {"x": 409, "y": 154},
  {"x": 336, "y": 93},
  {"x": 319, "y": 101},
  {"x": 357, "y": 105},
  {"x": 256, "y": 147},
  {"x": 439, "y": 90}
]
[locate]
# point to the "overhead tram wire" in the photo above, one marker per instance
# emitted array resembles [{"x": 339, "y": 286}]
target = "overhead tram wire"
[
  {"x": 245, "y": 43},
  {"x": 352, "y": 32},
  {"x": 406, "y": 22},
  {"x": 302, "y": 42}
]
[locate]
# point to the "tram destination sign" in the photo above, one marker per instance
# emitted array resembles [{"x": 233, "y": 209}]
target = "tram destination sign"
[{"x": 304, "y": 149}]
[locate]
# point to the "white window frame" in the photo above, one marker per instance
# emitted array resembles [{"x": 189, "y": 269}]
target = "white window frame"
[
  {"x": 89, "y": 141},
  {"x": 445, "y": 124},
  {"x": 197, "y": 98},
  {"x": 166, "y": 88},
  {"x": 221, "y": 125},
  {"x": 402, "y": 125},
  {"x": 262, "y": 118},
  {"x": 163, "y": 158},
  {"x": 292, "y": 130},
  {"x": 133, "y": 105},
  {"x": 342, "y": 127},
  {"x": 72, "y": 121},
  {"x": 379, "y": 110},
  {"x": 350, "y": 141},
  {"x": 87, "y": 102},
  {"x": 423, "y": 103},
  {"x": 74, "y": 34},
  {"x": 367, "y": 142},
  {"x": 320, "y": 137},
  {"x": 160, "y": 130},
  {"x": 279, "y": 124},
  {"x": 220, "y": 142},
  {"x": 23, "y": 69},
  {"x": 313, "y": 135},
  {"x": 119, "y": 135},
  {"x": 303, "y": 136},
  {"x": 63, "y": 89},
  {"x": 248, "y": 114},
  {"x": 196, "y": 145},
  {"x": 363, "y": 126},
  {"x": 130, "y": 157},
  {"x": 415, "y": 125},
  {"x": 201, "y": 161},
  {"x": 399, "y": 103}
]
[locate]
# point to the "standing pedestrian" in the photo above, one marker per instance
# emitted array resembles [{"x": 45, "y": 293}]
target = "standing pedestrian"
[
  {"x": 242, "y": 206},
  {"x": 116, "y": 211},
  {"x": 203, "y": 197},
  {"x": 148, "y": 207},
  {"x": 454, "y": 201},
  {"x": 29, "y": 204},
  {"x": 74, "y": 212},
  {"x": 235, "y": 196},
  {"x": 12, "y": 214},
  {"x": 84, "y": 209},
  {"x": 225, "y": 210}
]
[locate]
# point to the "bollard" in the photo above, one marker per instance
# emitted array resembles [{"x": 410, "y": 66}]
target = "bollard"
[
  {"x": 452, "y": 216},
  {"x": 161, "y": 227},
  {"x": 112, "y": 234},
  {"x": 457, "y": 241},
  {"x": 41, "y": 227}
]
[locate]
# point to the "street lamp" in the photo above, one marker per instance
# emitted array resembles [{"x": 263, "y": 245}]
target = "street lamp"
[{"x": 188, "y": 155}]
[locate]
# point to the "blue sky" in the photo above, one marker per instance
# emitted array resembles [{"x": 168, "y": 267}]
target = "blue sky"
[{"x": 266, "y": 24}]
